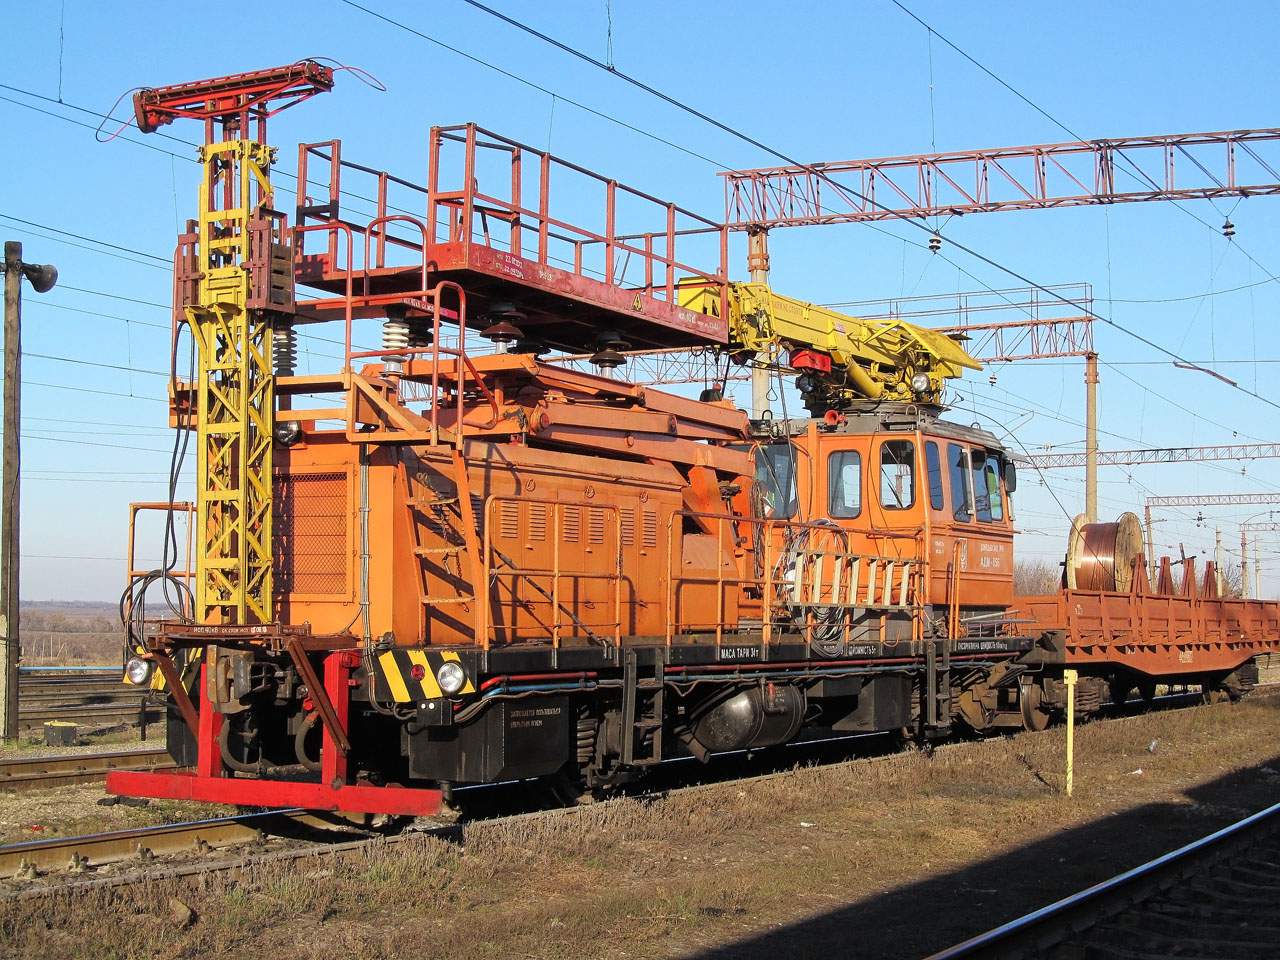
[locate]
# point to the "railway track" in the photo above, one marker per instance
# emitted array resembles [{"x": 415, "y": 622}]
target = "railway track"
[
  {"x": 1218, "y": 897},
  {"x": 189, "y": 849},
  {"x": 31, "y": 722},
  {"x": 109, "y": 856},
  {"x": 33, "y": 773},
  {"x": 91, "y": 698}
]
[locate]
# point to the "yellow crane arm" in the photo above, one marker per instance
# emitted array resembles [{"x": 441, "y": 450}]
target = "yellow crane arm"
[{"x": 841, "y": 358}]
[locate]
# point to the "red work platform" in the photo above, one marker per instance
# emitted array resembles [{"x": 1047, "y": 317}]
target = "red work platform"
[{"x": 604, "y": 259}]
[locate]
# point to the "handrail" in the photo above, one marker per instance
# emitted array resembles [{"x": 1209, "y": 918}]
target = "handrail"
[
  {"x": 953, "y": 587},
  {"x": 300, "y": 230},
  {"x": 491, "y": 572},
  {"x": 847, "y": 592}
]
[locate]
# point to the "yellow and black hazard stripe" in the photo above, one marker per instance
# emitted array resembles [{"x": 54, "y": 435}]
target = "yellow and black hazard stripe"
[{"x": 395, "y": 672}]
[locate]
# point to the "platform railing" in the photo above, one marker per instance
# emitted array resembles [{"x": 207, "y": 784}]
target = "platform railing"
[{"x": 467, "y": 212}]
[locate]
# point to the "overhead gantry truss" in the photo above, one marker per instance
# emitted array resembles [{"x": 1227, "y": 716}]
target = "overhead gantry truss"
[{"x": 1183, "y": 166}]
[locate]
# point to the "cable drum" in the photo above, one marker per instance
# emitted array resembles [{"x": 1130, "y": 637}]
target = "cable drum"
[{"x": 1100, "y": 556}]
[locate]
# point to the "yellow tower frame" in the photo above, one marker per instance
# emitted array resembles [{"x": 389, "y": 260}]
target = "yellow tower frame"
[
  {"x": 235, "y": 278},
  {"x": 235, "y": 395}
]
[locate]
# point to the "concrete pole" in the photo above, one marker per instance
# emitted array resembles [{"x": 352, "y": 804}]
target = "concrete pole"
[
  {"x": 1151, "y": 550},
  {"x": 1244, "y": 564},
  {"x": 1257, "y": 574},
  {"x": 10, "y": 651},
  {"x": 1091, "y": 438},
  {"x": 1217, "y": 561},
  {"x": 758, "y": 265}
]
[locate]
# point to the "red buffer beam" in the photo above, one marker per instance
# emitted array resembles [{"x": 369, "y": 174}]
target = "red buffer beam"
[
  {"x": 1120, "y": 458},
  {"x": 1175, "y": 167}
]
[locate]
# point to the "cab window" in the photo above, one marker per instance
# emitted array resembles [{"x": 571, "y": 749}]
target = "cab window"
[
  {"x": 897, "y": 474},
  {"x": 844, "y": 484},
  {"x": 986, "y": 480},
  {"x": 981, "y": 500},
  {"x": 958, "y": 469},
  {"x": 933, "y": 463},
  {"x": 776, "y": 476}
]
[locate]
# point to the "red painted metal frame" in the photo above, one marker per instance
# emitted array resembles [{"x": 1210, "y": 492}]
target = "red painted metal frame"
[
  {"x": 488, "y": 233},
  {"x": 979, "y": 181},
  {"x": 275, "y": 793},
  {"x": 210, "y": 784},
  {"x": 236, "y": 96},
  {"x": 1161, "y": 635}
]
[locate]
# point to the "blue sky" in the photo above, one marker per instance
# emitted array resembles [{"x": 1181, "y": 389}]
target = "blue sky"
[{"x": 816, "y": 81}]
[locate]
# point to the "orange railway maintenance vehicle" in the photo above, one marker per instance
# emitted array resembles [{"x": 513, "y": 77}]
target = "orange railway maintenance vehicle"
[{"x": 438, "y": 565}]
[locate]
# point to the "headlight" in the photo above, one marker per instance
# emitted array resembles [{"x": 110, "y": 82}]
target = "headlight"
[
  {"x": 451, "y": 677},
  {"x": 287, "y": 432},
  {"x": 920, "y": 382},
  {"x": 138, "y": 671}
]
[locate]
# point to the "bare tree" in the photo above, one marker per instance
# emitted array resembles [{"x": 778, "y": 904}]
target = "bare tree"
[
  {"x": 1032, "y": 578},
  {"x": 1232, "y": 579}
]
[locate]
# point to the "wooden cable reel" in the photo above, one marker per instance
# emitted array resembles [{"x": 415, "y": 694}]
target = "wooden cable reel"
[{"x": 1100, "y": 556}]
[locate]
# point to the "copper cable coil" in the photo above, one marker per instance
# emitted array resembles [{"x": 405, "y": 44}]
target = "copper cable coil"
[{"x": 1100, "y": 556}]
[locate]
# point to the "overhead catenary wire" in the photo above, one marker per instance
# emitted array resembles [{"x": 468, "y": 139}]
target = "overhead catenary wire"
[{"x": 818, "y": 172}]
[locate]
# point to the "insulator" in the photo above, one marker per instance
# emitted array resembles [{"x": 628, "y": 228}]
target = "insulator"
[
  {"x": 421, "y": 332},
  {"x": 284, "y": 350},
  {"x": 1228, "y": 229},
  {"x": 935, "y": 243},
  {"x": 607, "y": 359},
  {"x": 992, "y": 380},
  {"x": 395, "y": 336}
]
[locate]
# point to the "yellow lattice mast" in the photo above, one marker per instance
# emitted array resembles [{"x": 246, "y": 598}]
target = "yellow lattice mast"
[{"x": 234, "y": 285}]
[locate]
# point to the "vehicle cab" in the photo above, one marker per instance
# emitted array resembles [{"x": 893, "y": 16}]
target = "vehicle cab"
[{"x": 904, "y": 484}]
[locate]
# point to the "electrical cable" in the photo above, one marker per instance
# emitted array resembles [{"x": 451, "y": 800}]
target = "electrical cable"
[{"x": 817, "y": 171}]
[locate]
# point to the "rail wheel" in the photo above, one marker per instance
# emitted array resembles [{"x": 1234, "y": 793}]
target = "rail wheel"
[
  {"x": 1119, "y": 689},
  {"x": 1035, "y": 714},
  {"x": 1211, "y": 693}
]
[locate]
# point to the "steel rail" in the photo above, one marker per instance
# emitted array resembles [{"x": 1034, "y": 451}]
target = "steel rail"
[
  {"x": 120, "y": 848},
  {"x": 32, "y": 773},
  {"x": 1046, "y": 928},
  {"x": 104, "y": 714},
  {"x": 79, "y": 854}
]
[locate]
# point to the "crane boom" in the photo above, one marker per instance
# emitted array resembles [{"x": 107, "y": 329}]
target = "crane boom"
[{"x": 841, "y": 359}]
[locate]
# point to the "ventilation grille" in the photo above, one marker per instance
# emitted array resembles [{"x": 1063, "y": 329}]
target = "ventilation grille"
[
  {"x": 310, "y": 534},
  {"x": 509, "y": 520},
  {"x": 571, "y": 524},
  {"x": 595, "y": 525},
  {"x": 649, "y": 532},
  {"x": 538, "y": 521}
]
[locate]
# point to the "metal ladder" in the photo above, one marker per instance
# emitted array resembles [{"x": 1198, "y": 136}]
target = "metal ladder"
[
  {"x": 465, "y": 529},
  {"x": 937, "y": 693},
  {"x": 642, "y": 710}
]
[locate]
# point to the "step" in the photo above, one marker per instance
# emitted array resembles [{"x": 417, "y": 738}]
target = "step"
[
  {"x": 430, "y": 501},
  {"x": 438, "y": 551},
  {"x": 440, "y": 600}
]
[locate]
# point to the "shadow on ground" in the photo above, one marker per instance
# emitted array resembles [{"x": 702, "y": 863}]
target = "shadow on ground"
[{"x": 923, "y": 918}]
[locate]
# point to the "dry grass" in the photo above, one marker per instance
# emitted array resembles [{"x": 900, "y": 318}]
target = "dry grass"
[{"x": 716, "y": 865}]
